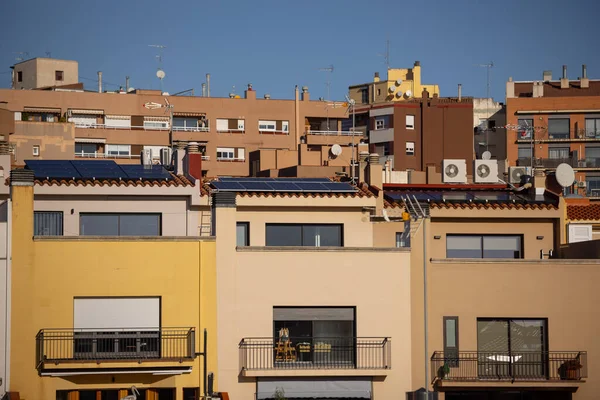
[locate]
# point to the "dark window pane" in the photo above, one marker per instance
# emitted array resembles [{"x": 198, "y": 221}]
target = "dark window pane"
[
  {"x": 463, "y": 247},
  {"x": 501, "y": 247},
  {"x": 322, "y": 235},
  {"x": 558, "y": 128},
  {"x": 284, "y": 235},
  {"x": 242, "y": 238},
  {"x": 47, "y": 223},
  {"x": 99, "y": 225},
  {"x": 139, "y": 225}
]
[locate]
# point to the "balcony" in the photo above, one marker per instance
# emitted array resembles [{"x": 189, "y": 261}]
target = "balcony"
[
  {"x": 473, "y": 368},
  {"x": 56, "y": 346},
  {"x": 555, "y": 162},
  {"x": 334, "y": 133},
  {"x": 191, "y": 129},
  {"x": 269, "y": 356},
  {"x": 108, "y": 156},
  {"x": 230, "y": 159},
  {"x": 124, "y": 127}
]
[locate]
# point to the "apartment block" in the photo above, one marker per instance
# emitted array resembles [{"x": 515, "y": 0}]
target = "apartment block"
[
  {"x": 42, "y": 73},
  {"x": 555, "y": 121}
]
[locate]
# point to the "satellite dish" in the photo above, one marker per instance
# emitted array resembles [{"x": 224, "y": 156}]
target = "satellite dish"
[
  {"x": 160, "y": 74},
  {"x": 399, "y": 82},
  {"x": 565, "y": 176},
  {"x": 408, "y": 93},
  {"x": 399, "y": 94},
  {"x": 486, "y": 155},
  {"x": 336, "y": 150},
  {"x": 392, "y": 88}
]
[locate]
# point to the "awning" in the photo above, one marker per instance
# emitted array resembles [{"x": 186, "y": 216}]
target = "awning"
[
  {"x": 86, "y": 112},
  {"x": 315, "y": 388},
  {"x": 47, "y": 110},
  {"x": 116, "y": 371},
  {"x": 189, "y": 114},
  {"x": 160, "y": 119},
  {"x": 89, "y": 140},
  {"x": 123, "y": 117}
]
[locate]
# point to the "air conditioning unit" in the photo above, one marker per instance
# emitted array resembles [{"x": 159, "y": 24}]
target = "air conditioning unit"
[
  {"x": 581, "y": 164},
  {"x": 165, "y": 156},
  {"x": 515, "y": 173},
  {"x": 581, "y": 184},
  {"x": 454, "y": 171},
  {"x": 485, "y": 171},
  {"x": 147, "y": 157},
  {"x": 579, "y": 233}
]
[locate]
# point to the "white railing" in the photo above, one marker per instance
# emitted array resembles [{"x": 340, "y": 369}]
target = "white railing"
[
  {"x": 191, "y": 129},
  {"x": 335, "y": 133},
  {"x": 130, "y": 127},
  {"x": 230, "y": 130},
  {"x": 272, "y": 132},
  {"x": 106, "y": 155},
  {"x": 231, "y": 159}
]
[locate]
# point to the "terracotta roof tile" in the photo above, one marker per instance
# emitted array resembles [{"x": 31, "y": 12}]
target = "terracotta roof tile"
[
  {"x": 590, "y": 212},
  {"x": 495, "y": 206},
  {"x": 177, "y": 180}
]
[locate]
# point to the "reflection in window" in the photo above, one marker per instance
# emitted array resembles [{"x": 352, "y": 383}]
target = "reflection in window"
[
  {"x": 314, "y": 235},
  {"x": 130, "y": 224},
  {"x": 484, "y": 246}
]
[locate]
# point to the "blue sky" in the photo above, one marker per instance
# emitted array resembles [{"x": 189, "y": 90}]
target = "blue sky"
[{"x": 276, "y": 44}]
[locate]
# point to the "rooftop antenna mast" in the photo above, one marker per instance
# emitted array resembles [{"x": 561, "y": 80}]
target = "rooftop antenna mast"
[
  {"x": 489, "y": 67},
  {"x": 328, "y": 84},
  {"x": 386, "y": 55},
  {"x": 160, "y": 73},
  {"x": 21, "y": 55}
]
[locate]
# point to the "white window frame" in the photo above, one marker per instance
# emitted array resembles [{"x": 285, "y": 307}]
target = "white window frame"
[
  {"x": 410, "y": 148},
  {"x": 117, "y": 122},
  {"x": 111, "y": 149},
  {"x": 158, "y": 125},
  {"x": 227, "y": 153},
  {"x": 380, "y": 123},
  {"x": 36, "y": 150},
  {"x": 268, "y": 126},
  {"x": 285, "y": 126},
  {"x": 410, "y": 122}
]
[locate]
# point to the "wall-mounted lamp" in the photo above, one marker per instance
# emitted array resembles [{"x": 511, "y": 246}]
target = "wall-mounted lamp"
[
  {"x": 72, "y": 211},
  {"x": 437, "y": 237},
  {"x": 539, "y": 237}
]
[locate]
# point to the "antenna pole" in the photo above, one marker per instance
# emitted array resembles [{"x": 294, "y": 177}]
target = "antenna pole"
[
  {"x": 488, "y": 66},
  {"x": 352, "y": 160},
  {"x": 328, "y": 84}
]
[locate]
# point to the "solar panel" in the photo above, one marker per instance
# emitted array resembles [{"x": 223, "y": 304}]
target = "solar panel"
[
  {"x": 284, "y": 187},
  {"x": 52, "y": 169},
  {"x": 228, "y": 186},
  {"x": 99, "y": 169},
  {"x": 255, "y": 186},
  {"x": 234, "y": 179},
  {"x": 339, "y": 187},
  {"x": 321, "y": 180},
  {"x": 154, "y": 172},
  {"x": 311, "y": 187}
]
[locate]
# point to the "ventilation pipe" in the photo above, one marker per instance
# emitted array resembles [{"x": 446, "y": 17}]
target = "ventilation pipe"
[
  {"x": 127, "y": 84},
  {"x": 564, "y": 82},
  {"x": 584, "y": 71},
  {"x": 584, "y": 82},
  {"x": 564, "y": 72},
  {"x": 99, "y": 81},
  {"x": 207, "y": 85},
  {"x": 459, "y": 91},
  {"x": 204, "y": 90}
]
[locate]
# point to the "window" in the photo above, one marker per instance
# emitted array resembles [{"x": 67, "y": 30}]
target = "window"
[
  {"x": 189, "y": 124},
  {"x": 19, "y": 76},
  {"x": 230, "y": 125},
  {"x": 592, "y": 127},
  {"x": 242, "y": 234},
  {"x": 117, "y": 121},
  {"x": 319, "y": 334},
  {"x": 378, "y": 92},
  {"x": 525, "y": 130},
  {"x": 511, "y": 347},
  {"x": 484, "y": 246},
  {"x": 558, "y": 153},
  {"x": 451, "y": 341},
  {"x": 410, "y": 122},
  {"x": 36, "y": 150},
  {"x": 381, "y": 123},
  {"x": 403, "y": 238},
  {"x": 558, "y": 128},
  {"x": 266, "y": 125},
  {"x": 156, "y": 124},
  {"x": 312, "y": 235},
  {"x": 592, "y": 156},
  {"x": 47, "y": 223},
  {"x": 364, "y": 96},
  {"x": 524, "y": 151},
  {"x": 59, "y": 75},
  {"x": 82, "y": 149},
  {"x": 592, "y": 184},
  {"x": 118, "y": 149},
  {"x": 132, "y": 224},
  {"x": 410, "y": 148}
]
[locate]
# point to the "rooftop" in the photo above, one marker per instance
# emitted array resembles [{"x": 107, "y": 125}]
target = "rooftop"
[
  {"x": 552, "y": 89},
  {"x": 589, "y": 212}
]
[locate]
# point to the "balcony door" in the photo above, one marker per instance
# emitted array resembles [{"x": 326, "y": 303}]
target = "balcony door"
[{"x": 512, "y": 349}]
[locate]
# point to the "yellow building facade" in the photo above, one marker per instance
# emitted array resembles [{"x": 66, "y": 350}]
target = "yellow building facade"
[
  {"x": 78, "y": 303},
  {"x": 401, "y": 84}
]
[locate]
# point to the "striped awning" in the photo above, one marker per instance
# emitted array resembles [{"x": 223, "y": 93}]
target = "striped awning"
[
  {"x": 189, "y": 114},
  {"x": 47, "y": 110},
  {"x": 122, "y": 117},
  {"x": 86, "y": 112},
  {"x": 160, "y": 119},
  {"x": 89, "y": 140}
]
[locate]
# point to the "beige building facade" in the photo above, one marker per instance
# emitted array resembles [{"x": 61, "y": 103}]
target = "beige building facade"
[{"x": 39, "y": 73}]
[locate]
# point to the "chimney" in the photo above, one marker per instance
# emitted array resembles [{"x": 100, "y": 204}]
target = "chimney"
[
  {"x": 99, "y": 81},
  {"x": 193, "y": 161},
  {"x": 564, "y": 82},
  {"x": 510, "y": 88},
  {"x": 539, "y": 181},
  {"x": 417, "y": 63},
  {"x": 127, "y": 84},
  {"x": 460, "y": 92},
  {"x": 21, "y": 194},
  {"x": 305, "y": 94},
  {"x": 538, "y": 89},
  {"x": 179, "y": 155},
  {"x": 362, "y": 165},
  {"x": 207, "y": 85},
  {"x": 203, "y": 89},
  {"x": 375, "y": 178},
  {"x": 547, "y": 76},
  {"x": 250, "y": 93},
  {"x": 584, "y": 82},
  {"x": 376, "y": 77}
]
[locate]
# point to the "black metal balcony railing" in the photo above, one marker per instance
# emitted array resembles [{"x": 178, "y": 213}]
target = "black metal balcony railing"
[
  {"x": 79, "y": 345},
  {"x": 315, "y": 353},
  {"x": 470, "y": 366}
]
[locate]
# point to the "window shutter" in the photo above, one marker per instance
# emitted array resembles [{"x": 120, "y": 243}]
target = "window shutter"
[{"x": 579, "y": 233}]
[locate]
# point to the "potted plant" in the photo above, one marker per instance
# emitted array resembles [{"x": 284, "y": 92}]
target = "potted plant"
[
  {"x": 569, "y": 370},
  {"x": 443, "y": 371}
]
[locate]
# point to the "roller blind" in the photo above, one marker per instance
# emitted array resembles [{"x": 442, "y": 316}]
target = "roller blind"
[
  {"x": 110, "y": 313},
  {"x": 313, "y": 314}
]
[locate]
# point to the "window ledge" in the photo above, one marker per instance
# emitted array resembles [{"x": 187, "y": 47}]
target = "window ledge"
[
  {"x": 514, "y": 261},
  {"x": 124, "y": 238},
  {"x": 323, "y": 249}
]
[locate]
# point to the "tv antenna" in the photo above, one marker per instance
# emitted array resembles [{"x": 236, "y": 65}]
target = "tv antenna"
[
  {"x": 329, "y": 71},
  {"x": 21, "y": 55},
  {"x": 386, "y": 55},
  {"x": 160, "y": 74},
  {"x": 489, "y": 67},
  {"x": 48, "y": 54}
]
